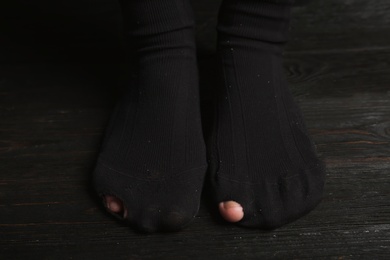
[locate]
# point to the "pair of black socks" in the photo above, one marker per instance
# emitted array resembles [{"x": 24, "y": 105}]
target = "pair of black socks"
[{"x": 153, "y": 157}]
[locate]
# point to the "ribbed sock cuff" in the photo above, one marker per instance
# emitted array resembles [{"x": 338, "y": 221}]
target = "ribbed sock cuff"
[{"x": 254, "y": 19}]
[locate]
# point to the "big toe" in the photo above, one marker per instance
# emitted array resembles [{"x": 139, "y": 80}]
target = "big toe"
[
  {"x": 115, "y": 205},
  {"x": 231, "y": 211}
]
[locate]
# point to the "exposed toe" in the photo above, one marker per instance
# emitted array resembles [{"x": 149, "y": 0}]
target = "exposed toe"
[
  {"x": 231, "y": 211},
  {"x": 114, "y": 204}
]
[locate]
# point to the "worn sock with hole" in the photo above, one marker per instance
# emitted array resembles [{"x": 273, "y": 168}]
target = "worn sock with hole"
[
  {"x": 261, "y": 154},
  {"x": 153, "y": 156}
]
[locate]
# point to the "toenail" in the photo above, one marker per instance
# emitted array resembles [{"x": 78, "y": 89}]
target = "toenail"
[
  {"x": 231, "y": 205},
  {"x": 114, "y": 206}
]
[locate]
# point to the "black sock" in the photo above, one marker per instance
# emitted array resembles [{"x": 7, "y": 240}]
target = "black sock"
[
  {"x": 261, "y": 153},
  {"x": 153, "y": 156}
]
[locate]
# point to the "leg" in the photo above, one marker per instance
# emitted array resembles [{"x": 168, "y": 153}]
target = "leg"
[
  {"x": 264, "y": 164},
  {"x": 153, "y": 155}
]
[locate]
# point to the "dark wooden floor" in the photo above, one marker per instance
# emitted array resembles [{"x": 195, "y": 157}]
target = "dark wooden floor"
[{"x": 59, "y": 81}]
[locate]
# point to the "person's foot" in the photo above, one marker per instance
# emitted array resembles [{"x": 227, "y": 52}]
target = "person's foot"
[
  {"x": 152, "y": 163},
  {"x": 265, "y": 171}
]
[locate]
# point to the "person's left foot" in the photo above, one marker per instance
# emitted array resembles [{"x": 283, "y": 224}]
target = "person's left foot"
[{"x": 265, "y": 169}]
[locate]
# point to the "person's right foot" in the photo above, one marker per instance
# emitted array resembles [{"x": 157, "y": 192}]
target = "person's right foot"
[
  {"x": 152, "y": 164},
  {"x": 266, "y": 172}
]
